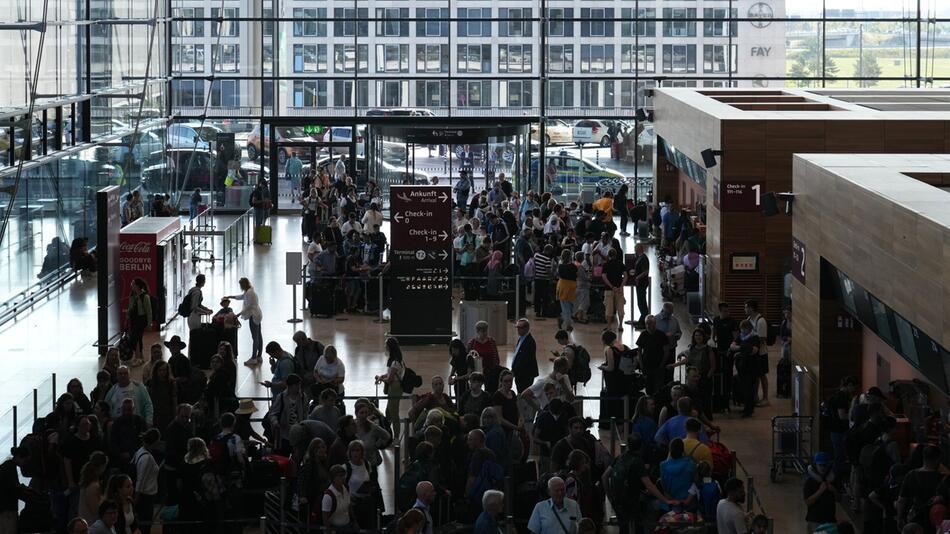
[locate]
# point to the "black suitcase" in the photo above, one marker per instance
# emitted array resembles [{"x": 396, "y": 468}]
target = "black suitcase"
[
  {"x": 783, "y": 379},
  {"x": 202, "y": 344},
  {"x": 261, "y": 474},
  {"x": 231, "y": 336},
  {"x": 643, "y": 229},
  {"x": 320, "y": 300},
  {"x": 720, "y": 397}
]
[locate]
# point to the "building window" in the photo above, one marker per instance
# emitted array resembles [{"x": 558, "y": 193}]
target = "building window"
[
  {"x": 597, "y": 94},
  {"x": 393, "y": 22},
  {"x": 597, "y": 22},
  {"x": 310, "y": 58},
  {"x": 638, "y": 58},
  {"x": 475, "y": 28},
  {"x": 345, "y": 58},
  {"x": 305, "y": 26},
  {"x": 224, "y": 94},
  {"x": 561, "y": 93},
  {"x": 561, "y": 58},
  {"x": 720, "y": 27},
  {"x": 392, "y": 58},
  {"x": 228, "y": 28},
  {"x": 597, "y": 58},
  {"x": 514, "y": 58},
  {"x": 188, "y": 28},
  {"x": 432, "y": 93},
  {"x": 310, "y": 94},
  {"x": 226, "y": 58},
  {"x": 269, "y": 24},
  {"x": 557, "y": 25},
  {"x": 715, "y": 60},
  {"x": 515, "y": 94},
  {"x": 514, "y": 28},
  {"x": 474, "y": 94},
  {"x": 644, "y": 26},
  {"x": 268, "y": 58},
  {"x": 188, "y": 58},
  {"x": 347, "y": 93},
  {"x": 188, "y": 93},
  {"x": 432, "y": 58},
  {"x": 679, "y": 28},
  {"x": 356, "y": 24},
  {"x": 392, "y": 93},
  {"x": 428, "y": 23},
  {"x": 679, "y": 59},
  {"x": 474, "y": 58}
]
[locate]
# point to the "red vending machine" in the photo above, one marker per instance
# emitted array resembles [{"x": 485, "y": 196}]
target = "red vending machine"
[{"x": 151, "y": 248}]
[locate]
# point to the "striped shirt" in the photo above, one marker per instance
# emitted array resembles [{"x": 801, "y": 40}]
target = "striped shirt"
[{"x": 543, "y": 267}]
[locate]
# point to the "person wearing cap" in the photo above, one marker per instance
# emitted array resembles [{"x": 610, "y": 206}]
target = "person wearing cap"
[
  {"x": 819, "y": 492},
  {"x": 835, "y": 413},
  {"x": 180, "y": 366}
]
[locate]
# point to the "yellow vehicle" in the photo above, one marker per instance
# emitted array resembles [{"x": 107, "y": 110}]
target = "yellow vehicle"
[{"x": 556, "y": 132}]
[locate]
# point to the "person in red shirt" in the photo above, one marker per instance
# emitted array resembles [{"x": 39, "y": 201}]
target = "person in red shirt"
[{"x": 487, "y": 351}]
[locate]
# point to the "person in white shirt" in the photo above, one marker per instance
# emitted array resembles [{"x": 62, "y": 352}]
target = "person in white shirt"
[
  {"x": 197, "y": 309},
  {"x": 146, "y": 479},
  {"x": 536, "y": 397},
  {"x": 372, "y": 218},
  {"x": 329, "y": 371},
  {"x": 730, "y": 519},
  {"x": 351, "y": 224},
  {"x": 336, "y": 501},
  {"x": 251, "y": 311}
]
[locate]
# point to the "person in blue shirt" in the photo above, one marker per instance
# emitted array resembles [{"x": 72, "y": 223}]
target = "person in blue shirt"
[
  {"x": 495, "y": 436},
  {"x": 293, "y": 168},
  {"x": 644, "y": 423},
  {"x": 675, "y": 427},
  {"x": 281, "y": 365},
  {"x": 493, "y": 502},
  {"x": 677, "y": 474},
  {"x": 557, "y": 515}
]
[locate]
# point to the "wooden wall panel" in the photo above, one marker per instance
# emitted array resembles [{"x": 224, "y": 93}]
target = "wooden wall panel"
[
  {"x": 849, "y": 137},
  {"x": 915, "y": 137},
  {"x": 743, "y": 135}
]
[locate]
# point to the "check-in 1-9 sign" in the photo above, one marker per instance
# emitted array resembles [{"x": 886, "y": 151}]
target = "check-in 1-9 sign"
[
  {"x": 740, "y": 196},
  {"x": 421, "y": 224}
]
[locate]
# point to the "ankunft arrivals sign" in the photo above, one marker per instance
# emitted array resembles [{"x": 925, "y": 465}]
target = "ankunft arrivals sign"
[{"x": 421, "y": 255}]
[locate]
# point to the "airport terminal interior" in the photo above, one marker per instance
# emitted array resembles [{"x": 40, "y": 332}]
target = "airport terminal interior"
[{"x": 474, "y": 266}]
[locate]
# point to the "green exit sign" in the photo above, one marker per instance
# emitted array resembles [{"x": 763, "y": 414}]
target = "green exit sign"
[{"x": 310, "y": 129}]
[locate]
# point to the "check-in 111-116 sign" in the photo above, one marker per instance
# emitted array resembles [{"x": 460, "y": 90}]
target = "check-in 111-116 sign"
[{"x": 421, "y": 227}]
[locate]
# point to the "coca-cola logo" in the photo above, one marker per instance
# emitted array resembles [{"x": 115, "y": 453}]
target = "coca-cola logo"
[{"x": 141, "y": 247}]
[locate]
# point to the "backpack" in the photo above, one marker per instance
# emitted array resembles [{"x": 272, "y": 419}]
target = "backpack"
[
  {"x": 184, "y": 307},
  {"x": 410, "y": 380},
  {"x": 406, "y": 487},
  {"x": 125, "y": 347},
  {"x": 618, "y": 489},
  {"x": 722, "y": 460},
  {"x": 489, "y": 477},
  {"x": 580, "y": 370},
  {"x": 220, "y": 453}
]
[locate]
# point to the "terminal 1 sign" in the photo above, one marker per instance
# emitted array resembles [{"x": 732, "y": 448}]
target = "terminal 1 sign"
[{"x": 421, "y": 262}]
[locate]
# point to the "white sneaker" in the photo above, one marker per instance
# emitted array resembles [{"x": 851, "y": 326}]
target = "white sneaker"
[{"x": 253, "y": 361}]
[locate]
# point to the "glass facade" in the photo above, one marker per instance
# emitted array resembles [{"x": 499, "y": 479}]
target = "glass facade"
[{"x": 95, "y": 92}]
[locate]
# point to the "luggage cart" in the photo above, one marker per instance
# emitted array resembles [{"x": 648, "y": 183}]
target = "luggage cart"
[{"x": 791, "y": 445}]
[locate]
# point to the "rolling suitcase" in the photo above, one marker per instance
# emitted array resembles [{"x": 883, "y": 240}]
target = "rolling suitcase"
[
  {"x": 720, "y": 397},
  {"x": 202, "y": 344},
  {"x": 321, "y": 300},
  {"x": 263, "y": 235},
  {"x": 783, "y": 379},
  {"x": 643, "y": 229}
]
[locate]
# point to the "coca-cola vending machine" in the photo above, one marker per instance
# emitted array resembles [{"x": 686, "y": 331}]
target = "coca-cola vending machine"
[{"x": 151, "y": 248}]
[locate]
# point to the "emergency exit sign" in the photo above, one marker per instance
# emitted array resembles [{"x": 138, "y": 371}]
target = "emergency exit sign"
[{"x": 311, "y": 129}]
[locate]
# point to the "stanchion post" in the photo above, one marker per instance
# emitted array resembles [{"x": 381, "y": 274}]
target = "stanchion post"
[
  {"x": 16, "y": 441},
  {"x": 35, "y": 404},
  {"x": 294, "y": 319},
  {"x": 626, "y": 417},
  {"x": 283, "y": 504},
  {"x": 509, "y": 503},
  {"x": 517, "y": 298},
  {"x": 613, "y": 435},
  {"x": 380, "y": 278},
  {"x": 54, "y": 390},
  {"x": 263, "y": 524},
  {"x": 397, "y": 459},
  {"x": 750, "y": 490}
]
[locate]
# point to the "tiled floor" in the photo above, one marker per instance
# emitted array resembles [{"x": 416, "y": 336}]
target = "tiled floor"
[{"x": 57, "y": 336}]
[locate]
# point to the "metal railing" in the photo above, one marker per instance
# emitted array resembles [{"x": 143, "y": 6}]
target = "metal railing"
[{"x": 204, "y": 234}]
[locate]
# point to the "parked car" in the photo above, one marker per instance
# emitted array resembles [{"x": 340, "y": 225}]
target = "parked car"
[
  {"x": 181, "y": 135},
  {"x": 556, "y": 132},
  {"x": 257, "y": 142},
  {"x": 589, "y": 131},
  {"x": 400, "y": 112},
  {"x": 646, "y": 142},
  {"x": 344, "y": 134},
  {"x": 575, "y": 170},
  {"x": 190, "y": 173}
]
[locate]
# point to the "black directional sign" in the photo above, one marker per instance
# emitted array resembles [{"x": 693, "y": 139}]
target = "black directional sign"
[{"x": 421, "y": 257}]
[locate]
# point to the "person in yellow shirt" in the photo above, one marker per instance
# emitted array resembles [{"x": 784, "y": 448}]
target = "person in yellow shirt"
[
  {"x": 605, "y": 205},
  {"x": 695, "y": 449}
]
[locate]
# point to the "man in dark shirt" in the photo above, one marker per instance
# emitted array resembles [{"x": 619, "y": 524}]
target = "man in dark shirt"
[
  {"x": 615, "y": 278},
  {"x": 836, "y": 420},
  {"x": 725, "y": 330},
  {"x": 652, "y": 344},
  {"x": 641, "y": 281},
  {"x": 919, "y": 487},
  {"x": 479, "y": 454},
  {"x": 819, "y": 492},
  {"x": 578, "y": 438},
  {"x": 179, "y": 431}
]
